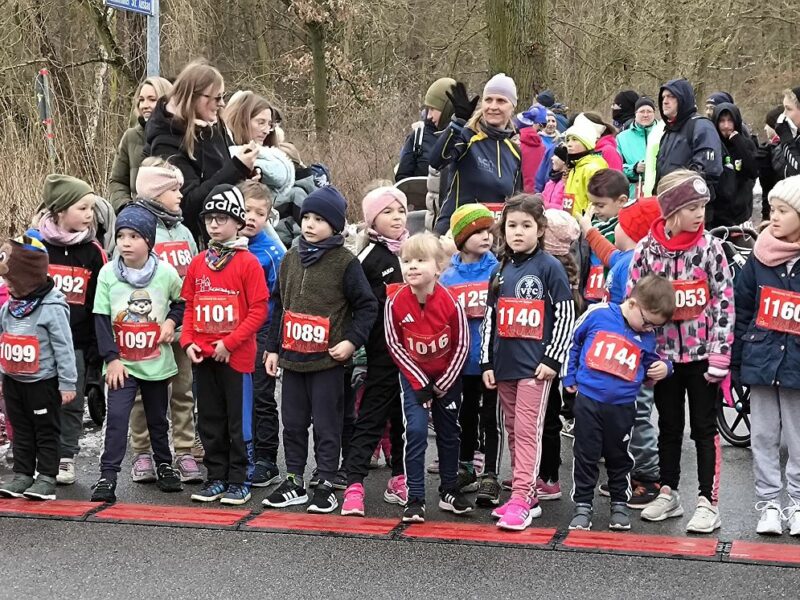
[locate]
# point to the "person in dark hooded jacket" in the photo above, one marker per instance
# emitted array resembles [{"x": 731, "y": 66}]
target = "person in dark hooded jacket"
[
  {"x": 714, "y": 100},
  {"x": 771, "y": 164},
  {"x": 733, "y": 204},
  {"x": 623, "y": 110},
  {"x": 690, "y": 141}
]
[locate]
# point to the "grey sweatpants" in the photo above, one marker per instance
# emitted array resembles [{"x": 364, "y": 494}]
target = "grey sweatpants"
[
  {"x": 644, "y": 442},
  {"x": 775, "y": 414},
  {"x": 72, "y": 413}
]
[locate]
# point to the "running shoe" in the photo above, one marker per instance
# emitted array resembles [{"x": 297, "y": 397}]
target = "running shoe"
[
  {"x": 665, "y": 506},
  {"x": 519, "y": 513},
  {"x": 467, "y": 482},
  {"x": 289, "y": 493},
  {"x": 488, "y": 492},
  {"x": 324, "y": 500},
  {"x": 548, "y": 490},
  {"x": 103, "y": 490},
  {"x": 66, "y": 471},
  {"x": 143, "y": 469},
  {"x": 168, "y": 479},
  {"x": 44, "y": 488},
  {"x": 620, "y": 519},
  {"x": 396, "y": 490},
  {"x": 237, "y": 494},
  {"x": 353, "y": 503},
  {"x": 581, "y": 517},
  {"x": 706, "y": 517},
  {"x": 414, "y": 511},
  {"x": 265, "y": 474},
  {"x": 17, "y": 486},
  {"x": 211, "y": 490},
  {"x": 770, "y": 521},
  {"x": 187, "y": 468},
  {"x": 455, "y": 502}
]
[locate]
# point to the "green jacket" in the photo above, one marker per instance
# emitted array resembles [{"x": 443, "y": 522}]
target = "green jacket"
[
  {"x": 632, "y": 146},
  {"x": 122, "y": 187}
]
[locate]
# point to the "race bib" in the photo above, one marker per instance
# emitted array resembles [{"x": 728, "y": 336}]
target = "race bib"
[
  {"x": 137, "y": 341},
  {"x": 779, "y": 310},
  {"x": 19, "y": 354},
  {"x": 216, "y": 313},
  {"x": 427, "y": 347},
  {"x": 614, "y": 354},
  {"x": 520, "y": 318},
  {"x": 496, "y": 208},
  {"x": 70, "y": 281},
  {"x": 691, "y": 298},
  {"x": 569, "y": 202},
  {"x": 472, "y": 297},
  {"x": 175, "y": 253},
  {"x": 305, "y": 333},
  {"x": 596, "y": 283}
]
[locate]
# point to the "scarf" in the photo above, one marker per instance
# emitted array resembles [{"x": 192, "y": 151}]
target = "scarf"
[
  {"x": 169, "y": 218},
  {"x": 773, "y": 251},
  {"x": 219, "y": 254},
  {"x": 22, "y": 307},
  {"x": 496, "y": 132},
  {"x": 682, "y": 241},
  {"x": 53, "y": 234},
  {"x": 311, "y": 253},
  {"x": 137, "y": 278},
  {"x": 572, "y": 159},
  {"x": 392, "y": 245}
]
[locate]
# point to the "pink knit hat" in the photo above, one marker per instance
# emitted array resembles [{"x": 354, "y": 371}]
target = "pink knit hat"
[
  {"x": 562, "y": 230},
  {"x": 689, "y": 191},
  {"x": 378, "y": 199},
  {"x": 151, "y": 182}
]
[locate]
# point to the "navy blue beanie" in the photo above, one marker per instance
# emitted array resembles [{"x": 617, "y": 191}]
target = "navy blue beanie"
[
  {"x": 140, "y": 220},
  {"x": 546, "y": 98},
  {"x": 328, "y": 203}
]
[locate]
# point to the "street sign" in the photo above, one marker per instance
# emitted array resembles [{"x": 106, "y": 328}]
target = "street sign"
[{"x": 143, "y": 7}]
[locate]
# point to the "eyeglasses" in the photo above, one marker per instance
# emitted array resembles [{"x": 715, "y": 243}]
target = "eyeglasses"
[
  {"x": 646, "y": 323},
  {"x": 220, "y": 219},
  {"x": 218, "y": 99}
]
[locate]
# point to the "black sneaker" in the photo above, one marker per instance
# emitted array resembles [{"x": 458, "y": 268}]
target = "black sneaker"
[
  {"x": 643, "y": 494},
  {"x": 467, "y": 482},
  {"x": 104, "y": 490},
  {"x": 414, "y": 511},
  {"x": 169, "y": 480},
  {"x": 488, "y": 492},
  {"x": 289, "y": 493},
  {"x": 265, "y": 474},
  {"x": 340, "y": 480},
  {"x": 455, "y": 502},
  {"x": 314, "y": 481},
  {"x": 324, "y": 500}
]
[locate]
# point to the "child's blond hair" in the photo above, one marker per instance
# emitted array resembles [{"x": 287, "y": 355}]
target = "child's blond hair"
[{"x": 424, "y": 246}]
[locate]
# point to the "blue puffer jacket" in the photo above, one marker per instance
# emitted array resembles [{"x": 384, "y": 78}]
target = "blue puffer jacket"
[
  {"x": 764, "y": 356},
  {"x": 460, "y": 273}
]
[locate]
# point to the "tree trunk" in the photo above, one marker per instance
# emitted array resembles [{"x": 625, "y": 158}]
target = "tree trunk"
[{"x": 316, "y": 37}]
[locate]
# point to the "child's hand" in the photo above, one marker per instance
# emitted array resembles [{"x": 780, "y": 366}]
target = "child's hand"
[
  {"x": 342, "y": 351},
  {"x": 221, "y": 353},
  {"x": 271, "y": 363},
  {"x": 585, "y": 221},
  {"x": 194, "y": 353},
  {"x": 67, "y": 397},
  {"x": 488, "y": 380},
  {"x": 657, "y": 371},
  {"x": 116, "y": 374},
  {"x": 572, "y": 389},
  {"x": 167, "y": 332},
  {"x": 544, "y": 373}
]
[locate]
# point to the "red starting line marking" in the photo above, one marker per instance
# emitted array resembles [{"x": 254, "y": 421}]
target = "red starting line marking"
[
  {"x": 641, "y": 544},
  {"x": 71, "y": 509},
  {"x": 754, "y": 551},
  {"x": 479, "y": 533},
  {"x": 322, "y": 523},
  {"x": 186, "y": 515}
]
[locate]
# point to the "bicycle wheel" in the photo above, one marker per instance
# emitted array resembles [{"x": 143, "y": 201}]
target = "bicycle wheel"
[{"x": 733, "y": 422}]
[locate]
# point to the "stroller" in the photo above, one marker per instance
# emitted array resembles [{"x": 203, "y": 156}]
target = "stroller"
[{"x": 733, "y": 410}]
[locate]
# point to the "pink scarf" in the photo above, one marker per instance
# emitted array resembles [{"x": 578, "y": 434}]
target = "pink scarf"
[
  {"x": 54, "y": 234},
  {"x": 773, "y": 251},
  {"x": 392, "y": 245}
]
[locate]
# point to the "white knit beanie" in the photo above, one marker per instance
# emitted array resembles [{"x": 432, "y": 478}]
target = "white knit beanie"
[
  {"x": 788, "y": 191},
  {"x": 502, "y": 85}
]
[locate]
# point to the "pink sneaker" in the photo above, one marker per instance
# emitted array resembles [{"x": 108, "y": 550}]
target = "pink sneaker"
[
  {"x": 396, "y": 491},
  {"x": 498, "y": 512},
  {"x": 353, "y": 503},
  {"x": 519, "y": 514},
  {"x": 548, "y": 490}
]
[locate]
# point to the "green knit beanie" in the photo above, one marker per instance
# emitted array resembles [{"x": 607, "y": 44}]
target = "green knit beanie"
[
  {"x": 62, "y": 191},
  {"x": 468, "y": 219},
  {"x": 436, "y": 97}
]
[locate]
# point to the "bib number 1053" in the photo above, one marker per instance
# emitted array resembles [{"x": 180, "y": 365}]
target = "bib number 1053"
[{"x": 520, "y": 318}]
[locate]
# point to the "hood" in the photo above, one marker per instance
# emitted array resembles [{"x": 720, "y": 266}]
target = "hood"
[
  {"x": 626, "y": 101},
  {"x": 718, "y": 98},
  {"x": 306, "y": 184},
  {"x": 530, "y": 138},
  {"x": 683, "y": 91},
  {"x": 162, "y": 122},
  {"x": 607, "y": 141},
  {"x": 546, "y": 98},
  {"x": 733, "y": 110},
  {"x": 466, "y": 270}
]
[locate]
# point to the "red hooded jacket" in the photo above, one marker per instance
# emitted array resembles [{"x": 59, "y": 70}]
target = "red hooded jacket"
[{"x": 533, "y": 150}]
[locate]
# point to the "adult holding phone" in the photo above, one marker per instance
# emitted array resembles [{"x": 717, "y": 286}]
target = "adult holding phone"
[{"x": 787, "y": 127}]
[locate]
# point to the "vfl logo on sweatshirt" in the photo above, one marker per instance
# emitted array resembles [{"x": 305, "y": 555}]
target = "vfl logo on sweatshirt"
[{"x": 529, "y": 287}]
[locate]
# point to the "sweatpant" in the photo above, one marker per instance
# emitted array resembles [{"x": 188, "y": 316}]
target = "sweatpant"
[
  {"x": 348, "y": 413},
  {"x": 181, "y": 410},
  {"x": 444, "y": 411},
  {"x": 644, "y": 442},
  {"x": 479, "y": 415},
  {"x": 524, "y": 402},
  {"x": 316, "y": 398},
  {"x": 551, "y": 435},
  {"x": 34, "y": 409},
  {"x": 602, "y": 429},
  {"x": 568, "y": 399},
  {"x": 225, "y": 421},
  {"x": 266, "y": 425},
  {"x": 687, "y": 378},
  {"x": 72, "y": 413},
  {"x": 775, "y": 414},
  {"x": 155, "y": 399},
  {"x": 379, "y": 403}
]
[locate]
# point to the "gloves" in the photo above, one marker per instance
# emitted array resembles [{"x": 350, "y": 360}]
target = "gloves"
[
  {"x": 425, "y": 395},
  {"x": 463, "y": 107},
  {"x": 784, "y": 131},
  {"x": 715, "y": 374}
]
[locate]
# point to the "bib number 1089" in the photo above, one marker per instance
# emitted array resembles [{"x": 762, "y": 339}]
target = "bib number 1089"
[{"x": 308, "y": 334}]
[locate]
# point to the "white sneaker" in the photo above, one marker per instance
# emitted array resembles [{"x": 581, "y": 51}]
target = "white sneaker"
[
  {"x": 66, "y": 472},
  {"x": 667, "y": 505},
  {"x": 706, "y": 517},
  {"x": 792, "y": 514},
  {"x": 770, "y": 521}
]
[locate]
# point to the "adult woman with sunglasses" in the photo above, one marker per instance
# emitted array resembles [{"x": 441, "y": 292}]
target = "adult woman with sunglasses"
[{"x": 185, "y": 129}]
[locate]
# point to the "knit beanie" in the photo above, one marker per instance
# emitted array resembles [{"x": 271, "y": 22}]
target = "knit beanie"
[
  {"x": 436, "y": 96},
  {"x": 329, "y": 204},
  {"x": 546, "y": 98},
  {"x": 562, "y": 230},
  {"x": 690, "y": 190},
  {"x": 140, "y": 220},
  {"x": 468, "y": 219},
  {"x": 501, "y": 85},
  {"x": 584, "y": 131},
  {"x": 151, "y": 182},
  {"x": 788, "y": 191},
  {"x": 644, "y": 101},
  {"x": 796, "y": 92},
  {"x": 225, "y": 199},
  {"x": 25, "y": 265},
  {"x": 719, "y": 98},
  {"x": 374, "y": 202},
  {"x": 636, "y": 219},
  {"x": 62, "y": 191}
]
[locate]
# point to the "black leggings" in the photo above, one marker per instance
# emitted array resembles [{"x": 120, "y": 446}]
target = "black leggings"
[{"x": 478, "y": 422}]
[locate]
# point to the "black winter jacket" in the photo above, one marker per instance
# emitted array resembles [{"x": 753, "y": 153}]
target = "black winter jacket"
[{"x": 416, "y": 153}]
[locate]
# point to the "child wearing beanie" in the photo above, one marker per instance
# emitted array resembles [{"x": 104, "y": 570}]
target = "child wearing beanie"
[
  {"x": 324, "y": 310},
  {"x": 226, "y": 304},
  {"x": 467, "y": 279},
  {"x": 385, "y": 210},
  {"x": 766, "y": 356},
  {"x": 67, "y": 229},
  {"x": 697, "y": 340},
  {"x": 158, "y": 185},
  {"x": 137, "y": 309},
  {"x": 583, "y": 162},
  {"x": 37, "y": 361}
]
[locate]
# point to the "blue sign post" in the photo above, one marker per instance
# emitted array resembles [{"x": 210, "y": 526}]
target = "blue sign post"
[
  {"x": 143, "y": 7},
  {"x": 151, "y": 9}
]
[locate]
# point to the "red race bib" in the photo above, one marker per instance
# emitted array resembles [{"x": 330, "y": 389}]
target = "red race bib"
[
  {"x": 779, "y": 310},
  {"x": 19, "y": 354},
  {"x": 424, "y": 348},
  {"x": 614, "y": 354},
  {"x": 71, "y": 281},
  {"x": 305, "y": 333},
  {"x": 596, "y": 283},
  {"x": 569, "y": 202},
  {"x": 175, "y": 253},
  {"x": 520, "y": 318},
  {"x": 472, "y": 297},
  {"x": 216, "y": 313},
  {"x": 496, "y": 209},
  {"x": 691, "y": 298},
  {"x": 137, "y": 341}
]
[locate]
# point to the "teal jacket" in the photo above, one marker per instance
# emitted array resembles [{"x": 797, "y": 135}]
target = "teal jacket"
[{"x": 632, "y": 146}]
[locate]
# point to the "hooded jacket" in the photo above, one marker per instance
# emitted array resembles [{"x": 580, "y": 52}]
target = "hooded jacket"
[
  {"x": 533, "y": 151},
  {"x": 632, "y": 147},
  {"x": 689, "y": 141},
  {"x": 414, "y": 161},
  {"x": 576, "y": 190},
  {"x": 607, "y": 147},
  {"x": 122, "y": 185}
]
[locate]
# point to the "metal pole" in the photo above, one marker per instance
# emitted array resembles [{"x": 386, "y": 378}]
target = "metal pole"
[
  {"x": 46, "y": 114},
  {"x": 153, "y": 41}
]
